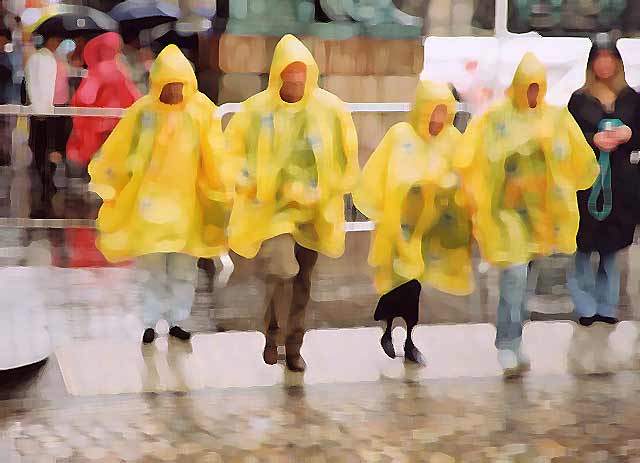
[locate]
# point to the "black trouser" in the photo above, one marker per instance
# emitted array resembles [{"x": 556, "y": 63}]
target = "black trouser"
[
  {"x": 46, "y": 135},
  {"x": 404, "y": 302},
  {"x": 7, "y": 124},
  {"x": 41, "y": 133}
]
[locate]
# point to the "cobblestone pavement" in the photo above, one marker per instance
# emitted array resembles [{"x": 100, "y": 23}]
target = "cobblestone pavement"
[{"x": 539, "y": 419}]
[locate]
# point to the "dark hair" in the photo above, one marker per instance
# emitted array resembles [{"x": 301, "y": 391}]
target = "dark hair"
[
  {"x": 454, "y": 91},
  {"x": 602, "y": 43}
]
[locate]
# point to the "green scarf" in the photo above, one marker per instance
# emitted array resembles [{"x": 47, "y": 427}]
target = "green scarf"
[{"x": 603, "y": 182}]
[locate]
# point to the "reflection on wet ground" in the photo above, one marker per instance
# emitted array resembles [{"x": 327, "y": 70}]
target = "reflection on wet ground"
[{"x": 538, "y": 419}]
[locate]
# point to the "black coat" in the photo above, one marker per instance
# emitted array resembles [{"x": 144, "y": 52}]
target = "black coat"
[
  {"x": 9, "y": 91},
  {"x": 616, "y": 231}
]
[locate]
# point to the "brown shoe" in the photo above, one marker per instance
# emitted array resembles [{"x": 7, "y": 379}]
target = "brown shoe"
[
  {"x": 296, "y": 363},
  {"x": 270, "y": 354}
]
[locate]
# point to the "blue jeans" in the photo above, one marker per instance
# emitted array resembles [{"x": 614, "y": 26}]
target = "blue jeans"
[
  {"x": 168, "y": 286},
  {"x": 595, "y": 294},
  {"x": 512, "y": 308}
]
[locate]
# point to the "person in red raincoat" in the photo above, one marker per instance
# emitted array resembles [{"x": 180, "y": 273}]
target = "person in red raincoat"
[{"x": 107, "y": 85}]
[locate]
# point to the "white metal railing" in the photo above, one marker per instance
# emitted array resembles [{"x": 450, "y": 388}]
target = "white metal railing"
[
  {"x": 224, "y": 109},
  {"x": 18, "y": 110}
]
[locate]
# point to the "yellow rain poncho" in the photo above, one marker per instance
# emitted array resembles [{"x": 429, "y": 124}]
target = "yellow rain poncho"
[
  {"x": 295, "y": 162},
  {"x": 159, "y": 173},
  {"x": 523, "y": 167},
  {"x": 411, "y": 190}
]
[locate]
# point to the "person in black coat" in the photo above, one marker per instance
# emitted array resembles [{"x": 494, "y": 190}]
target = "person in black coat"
[{"x": 608, "y": 112}]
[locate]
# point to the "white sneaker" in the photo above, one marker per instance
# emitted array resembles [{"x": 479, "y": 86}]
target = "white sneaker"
[
  {"x": 507, "y": 359},
  {"x": 513, "y": 363}
]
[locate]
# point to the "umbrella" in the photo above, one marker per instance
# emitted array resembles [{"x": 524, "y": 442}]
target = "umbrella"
[
  {"x": 137, "y": 15},
  {"x": 67, "y": 21}
]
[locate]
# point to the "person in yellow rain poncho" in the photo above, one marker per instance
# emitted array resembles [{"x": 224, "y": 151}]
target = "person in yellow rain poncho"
[
  {"x": 296, "y": 151},
  {"x": 523, "y": 162},
  {"x": 165, "y": 204},
  {"x": 411, "y": 190}
]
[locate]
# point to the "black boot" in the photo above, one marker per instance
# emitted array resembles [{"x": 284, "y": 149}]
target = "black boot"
[
  {"x": 149, "y": 336},
  {"x": 412, "y": 354},
  {"x": 179, "y": 333},
  {"x": 387, "y": 342}
]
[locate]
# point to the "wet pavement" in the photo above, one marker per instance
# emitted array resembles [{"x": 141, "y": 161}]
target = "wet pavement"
[{"x": 537, "y": 419}]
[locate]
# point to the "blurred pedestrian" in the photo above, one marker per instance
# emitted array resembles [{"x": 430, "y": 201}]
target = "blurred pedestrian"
[
  {"x": 107, "y": 85},
  {"x": 525, "y": 160},
  {"x": 138, "y": 59},
  {"x": 297, "y": 153},
  {"x": 9, "y": 92},
  {"x": 608, "y": 112},
  {"x": 165, "y": 205},
  {"x": 411, "y": 190},
  {"x": 47, "y": 86},
  {"x": 9, "y": 84}
]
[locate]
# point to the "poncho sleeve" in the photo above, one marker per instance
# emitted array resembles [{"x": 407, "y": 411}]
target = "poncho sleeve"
[
  {"x": 110, "y": 170},
  {"x": 583, "y": 164},
  {"x": 468, "y": 164},
  {"x": 235, "y": 153},
  {"x": 369, "y": 194},
  {"x": 350, "y": 149},
  {"x": 213, "y": 160},
  {"x": 85, "y": 96}
]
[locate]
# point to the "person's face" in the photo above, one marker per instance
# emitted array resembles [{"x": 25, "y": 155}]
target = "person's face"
[
  {"x": 438, "y": 118},
  {"x": 605, "y": 65},
  {"x": 294, "y": 78},
  {"x": 53, "y": 43},
  {"x": 171, "y": 93},
  {"x": 532, "y": 95}
]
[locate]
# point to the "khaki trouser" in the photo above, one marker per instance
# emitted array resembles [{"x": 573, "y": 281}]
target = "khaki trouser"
[{"x": 287, "y": 267}]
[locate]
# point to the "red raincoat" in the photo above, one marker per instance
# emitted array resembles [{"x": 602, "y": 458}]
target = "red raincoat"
[
  {"x": 79, "y": 251},
  {"x": 107, "y": 85}
]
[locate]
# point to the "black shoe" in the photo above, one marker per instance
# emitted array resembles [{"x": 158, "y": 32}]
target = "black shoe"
[
  {"x": 587, "y": 321},
  {"x": 607, "y": 320},
  {"x": 149, "y": 336},
  {"x": 412, "y": 354},
  {"x": 179, "y": 333},
  {"x": 387, "y": 346}
]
